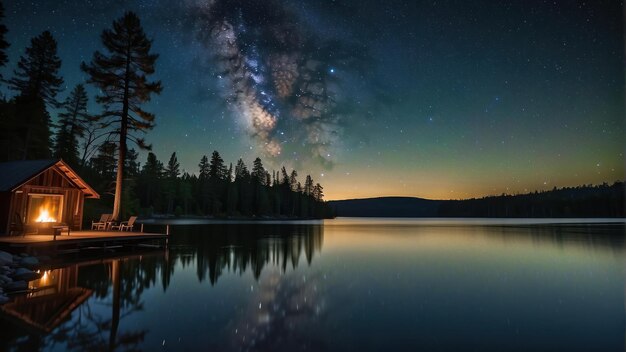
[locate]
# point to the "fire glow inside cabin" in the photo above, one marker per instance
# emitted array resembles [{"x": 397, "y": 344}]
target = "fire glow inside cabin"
[{"x": 36, "y": 195}]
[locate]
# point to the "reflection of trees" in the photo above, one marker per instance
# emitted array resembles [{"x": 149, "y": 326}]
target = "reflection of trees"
[
  {"x": 116, "y": 286},
  {"x": 285, "y": 301},
  {"x": 584, "y": 236},
  {"x": 93, "y": 331},
  {"x": 238, "y": 248}
]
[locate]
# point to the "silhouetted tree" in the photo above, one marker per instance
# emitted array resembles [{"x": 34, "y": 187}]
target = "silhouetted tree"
[
  {"x": 172, "y": 170},
  {"x": 241, "y": 171},
  {"x": 185, "y": 191},
  {"x": 293, "y": 180},
  {"x": 258, "y": 172},
  {"x": 37, "y": 71},
  {"x": 131, "y": 165},
  {"x": 318, "y": 192},
  {"x": 308, "y": 185},
  {"x": 149, "y": 185},
  {"x": 204, "y": 188},
  {"x": 217, "y": 169},
  {"x": 284, "y": 177},
  {"x": 71, "y": 125},
  {"x": 104, "y": 163},
  {"x": 203, "y": 168},
  {"x": 260, "y": 179},
  {"x": 37, "y": 83},
  {"x": 219, "y": 179},
  {"x": 122, "y": 78},
  {"x": 32, "y": 129}
]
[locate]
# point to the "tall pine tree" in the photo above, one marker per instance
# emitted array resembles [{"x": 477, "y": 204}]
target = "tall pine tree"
[
  {"x": 258, "y": 171},
  {"x": 72, "y": 122},
  {"x": 37, "y": 71},
  {"x": 217, "y": 169},
  {"x": 241, "y": 171},
  {"x": 318, "y": 192},
  {"x": 103, "y": 163},
  {"x": 121, "y": 75},
  {"x": 308, "y": 185},
  {"x": 150, "y": 185},
  {"x": 204, "y": 168},
  {"x": 37, "y": 82}
]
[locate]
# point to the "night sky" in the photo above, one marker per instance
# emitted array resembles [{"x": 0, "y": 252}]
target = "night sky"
[{"x": 434, "y": 99}]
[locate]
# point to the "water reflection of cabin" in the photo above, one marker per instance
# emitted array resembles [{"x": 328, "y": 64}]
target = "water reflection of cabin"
[
  {"x": 38, "y": 194},
  {"x": 55, "y": 296}
]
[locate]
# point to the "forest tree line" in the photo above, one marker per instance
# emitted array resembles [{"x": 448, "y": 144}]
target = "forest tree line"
[
  {"x": 604, "y": 200},
  {"x": 97, "y": 144},
  {"x": 216, "y": 189}
]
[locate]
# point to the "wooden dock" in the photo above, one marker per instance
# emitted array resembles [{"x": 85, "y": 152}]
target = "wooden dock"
[{"x": 80, "y": 241}]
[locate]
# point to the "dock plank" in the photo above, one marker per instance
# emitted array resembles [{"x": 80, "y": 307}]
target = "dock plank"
[{"x": 79, "y": 238}]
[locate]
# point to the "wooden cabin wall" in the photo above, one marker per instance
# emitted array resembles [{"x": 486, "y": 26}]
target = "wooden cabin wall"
[{"x": 52, "y": 182}]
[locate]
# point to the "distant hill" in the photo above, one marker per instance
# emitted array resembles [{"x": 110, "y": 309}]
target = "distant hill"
[
  {"x": 386, "y": 207},
  {"x": 584, "y": 201}
]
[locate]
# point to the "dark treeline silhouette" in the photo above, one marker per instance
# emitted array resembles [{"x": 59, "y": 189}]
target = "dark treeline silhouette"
[
  {"x": 583, "y": 201},
  {"x": 155, "y": 188},
  {"x": 25, "y": 120},
  {"x": 98, "y": 146}
]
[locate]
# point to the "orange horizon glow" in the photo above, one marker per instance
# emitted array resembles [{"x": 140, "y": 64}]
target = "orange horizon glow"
[{"x": 341, "y": 191}]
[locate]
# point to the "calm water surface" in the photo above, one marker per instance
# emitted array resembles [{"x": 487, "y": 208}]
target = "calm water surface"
[{"x": 345, "y": 284}]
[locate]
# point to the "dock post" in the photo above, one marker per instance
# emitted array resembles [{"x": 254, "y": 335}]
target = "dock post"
[
  {"x": 167, "y": 229},
  {"x": 142, "y": 227}
]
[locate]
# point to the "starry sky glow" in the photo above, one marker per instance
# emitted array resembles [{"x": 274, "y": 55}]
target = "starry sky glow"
[{"x": 434, "y": 99}]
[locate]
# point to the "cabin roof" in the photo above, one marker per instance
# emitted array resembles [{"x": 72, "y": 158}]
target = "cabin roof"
[{"x": 14, "y": 174}]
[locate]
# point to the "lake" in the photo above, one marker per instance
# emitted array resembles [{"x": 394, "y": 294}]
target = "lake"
[{"x": 338, "y": 285}]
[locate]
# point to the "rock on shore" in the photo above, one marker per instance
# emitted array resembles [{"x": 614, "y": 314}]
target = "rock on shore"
[{"x": 15, "y": 273}]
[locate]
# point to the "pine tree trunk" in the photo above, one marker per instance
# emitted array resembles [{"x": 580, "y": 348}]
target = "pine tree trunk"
[{"x": 117, "y": 203}]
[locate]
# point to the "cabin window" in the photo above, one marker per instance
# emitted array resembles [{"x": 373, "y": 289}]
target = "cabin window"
[{"x": 44, "y": 208}]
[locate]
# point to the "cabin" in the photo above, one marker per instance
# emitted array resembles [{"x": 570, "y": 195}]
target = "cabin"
[{"x": 36, "y": 195}]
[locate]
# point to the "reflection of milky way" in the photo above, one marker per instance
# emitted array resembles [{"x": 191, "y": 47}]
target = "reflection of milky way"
[
  {"x": 273, "y": 76},
  {"x": 283, "y": 310}
]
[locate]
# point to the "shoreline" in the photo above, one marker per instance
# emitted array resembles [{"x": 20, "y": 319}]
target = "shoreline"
[
  {"x": 202, "y": 220},
  {"x": 373, "y": 220}
]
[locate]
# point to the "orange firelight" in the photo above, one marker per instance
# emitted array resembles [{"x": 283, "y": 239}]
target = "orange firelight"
[{"x": 44, "y": 216}]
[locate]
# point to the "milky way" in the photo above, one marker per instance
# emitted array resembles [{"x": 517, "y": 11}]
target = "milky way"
[
  {"x": 435, "y": 99},
  {"x": 276, "y": 76}
]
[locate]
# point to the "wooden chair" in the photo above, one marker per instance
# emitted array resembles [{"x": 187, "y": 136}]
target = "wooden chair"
[
  {"x": 102, "y": 223},
  {"x": 17, "y": 226},
  {"x": 125, "y": 225}
]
